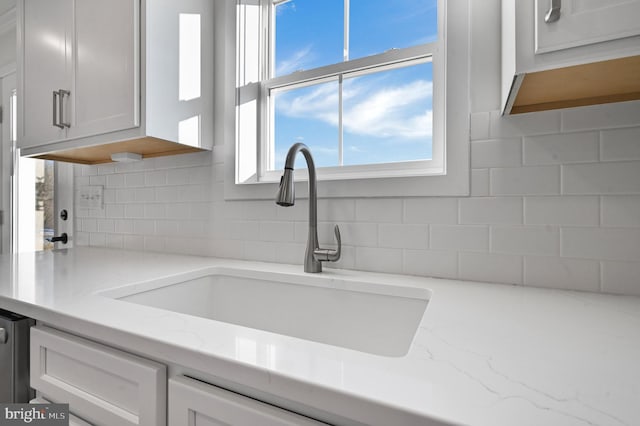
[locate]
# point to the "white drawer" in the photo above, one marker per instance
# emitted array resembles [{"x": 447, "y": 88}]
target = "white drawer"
[
  {"x": 102, "y": 385},
  {"x": 194, "y": 403},
  {"x": 73, "y": 420}
]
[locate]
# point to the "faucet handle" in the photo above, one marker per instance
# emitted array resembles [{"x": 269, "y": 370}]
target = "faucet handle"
[{"x": 330, "y": 255}]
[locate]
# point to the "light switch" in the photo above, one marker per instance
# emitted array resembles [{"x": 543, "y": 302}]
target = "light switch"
[{"x": 90, "y": 197}]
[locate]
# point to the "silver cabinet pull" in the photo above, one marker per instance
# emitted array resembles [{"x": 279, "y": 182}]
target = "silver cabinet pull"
[
  {"x": 56, "y": 95},
  {"x": 3, "y": 336},
  {"x": 62, "y": 93},
  {"x": 553, "y": 14}
]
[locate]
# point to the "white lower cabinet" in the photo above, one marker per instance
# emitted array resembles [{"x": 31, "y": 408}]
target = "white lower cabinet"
[
  {"x": 73, "y": 420},
  {"x": 107, "y": 387},
  {"x": 195, "y": 403},
  {"x": 102, "y": 385}
]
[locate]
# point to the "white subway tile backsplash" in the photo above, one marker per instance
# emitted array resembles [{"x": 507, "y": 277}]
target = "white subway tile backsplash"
[
  {"x": 381, "y": 210},
  {"x": 105, "y": 225},
  {"x": 134, "y": 211},
  {"x": 459, "y": 237},
  {"x": 621, "y": 244},
  {"x": 297, "y": 213},
  {"x": 601, "y": 116},
  {"x": 483, "y": 210},
  {"x": 123, "y": 226},
  {"x": 430, "y": 263},
  {"x": 144, "y": 227},
  {"x": 479, "y": 182},
  {"x": 109, "y": 196},
  {"x": 620, "y": 144},
  {"x": 621, "y": 211},
  {"x": 379, "y": 259},
  {"x": 542, "y": 180},
  {"x": 178, "y": 176},
  {"x": 357, "y": 234},
  {"x": 431, "y": 210},
  {"x": 601, "y": 178},
  {"x": 125, "y": 195},
  {"x": 496, "y": 153},
  {"x": 262, "y": 251},
  {"x": 555, "y": 272},
  {"x": 276, "y": 231},
  {"x": 152, "y": 243},
  {"x": 133, "y": 242},
  {"x": 180, "y": 210},
  {"x": 555, "y": 202},
  {"x": 403, "y": 236},
  {"x": 167, "y": 228},
  {"x": 97, "y": 239},
  {"x": 536, "y": 240},
  {"x": 114, "y": 210},
  {"x": 114, "y": 241},
  {"x": 561, "y": 149},
  {"x": 81, "y": 238},
  {"x": 98, "y": 180},
  {"x": 338, "y": 210},
  {"x": 496, "y": 268},
  {"x": 538, "y": 123},
  {"x": 576, "y": 211},
  {"x": 89, "y": 225},
  {"x": 155, "y": 211},
  {"x": 133, "y": 180},
  {"x": 621, "y": 277},
  {"x": 115, "y": 181}
]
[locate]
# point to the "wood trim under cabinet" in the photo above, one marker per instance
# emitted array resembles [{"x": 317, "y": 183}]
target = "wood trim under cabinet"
[
  {"x": 615, "y": 80},
  {"x": 99, "y": 154}
]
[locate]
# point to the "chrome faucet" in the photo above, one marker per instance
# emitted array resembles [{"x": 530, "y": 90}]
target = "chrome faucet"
[{"x": 314, "y": 255}]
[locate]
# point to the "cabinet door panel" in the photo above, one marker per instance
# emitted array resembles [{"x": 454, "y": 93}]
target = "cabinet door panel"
[
  {"x": 106, "y": 91},
  {"x": 194, "y": 403},
  {"x": 584, "y": 22},
  {"x": 101, "y": 384},
  {"x": 46, "y": 68}
]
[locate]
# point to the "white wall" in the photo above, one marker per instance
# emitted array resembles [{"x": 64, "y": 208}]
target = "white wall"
[{"x": 555, "y": 201}]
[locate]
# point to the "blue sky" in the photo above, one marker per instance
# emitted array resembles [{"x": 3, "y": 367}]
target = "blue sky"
[{"x": 387, "y": 115}]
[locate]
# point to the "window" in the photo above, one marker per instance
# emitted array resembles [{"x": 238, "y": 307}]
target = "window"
[{"x": 362, "y": 82}]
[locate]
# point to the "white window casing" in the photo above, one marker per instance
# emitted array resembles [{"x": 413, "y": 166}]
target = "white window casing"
[{"x": 244, "y": 62}]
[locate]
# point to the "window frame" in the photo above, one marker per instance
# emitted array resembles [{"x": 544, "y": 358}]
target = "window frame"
[{"x": 454, "y": 83}]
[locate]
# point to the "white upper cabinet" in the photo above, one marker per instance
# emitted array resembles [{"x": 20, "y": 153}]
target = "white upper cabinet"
[
  {"x": 562, "y": 24},
  {"x": 568, "y": 53},
  {"x": 80, "y": 69},
  {"x": 101, "y": 77}
]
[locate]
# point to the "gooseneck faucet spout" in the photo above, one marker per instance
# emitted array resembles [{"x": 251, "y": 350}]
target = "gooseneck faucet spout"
[{"x": 314, "y": 255}]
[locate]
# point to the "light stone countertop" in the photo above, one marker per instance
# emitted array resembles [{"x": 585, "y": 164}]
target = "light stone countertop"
[{"x": 484, "y": 354}]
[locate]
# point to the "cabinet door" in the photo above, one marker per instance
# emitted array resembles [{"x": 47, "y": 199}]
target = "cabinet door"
[
  {"x": 584, "y": 22},
  {"x": 106, "y": 73},
  {"x": 102, "y": 385},
  {"x": 194, "y": 403},
  {"x": 47, "y": 28}
]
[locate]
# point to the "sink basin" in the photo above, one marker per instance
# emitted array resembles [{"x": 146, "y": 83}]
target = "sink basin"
[{"x": 374, "y": 318}]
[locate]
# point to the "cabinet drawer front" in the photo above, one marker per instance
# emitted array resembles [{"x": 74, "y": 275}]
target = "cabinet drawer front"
[
  {"x": 584, "y": 22},
  {"x": 73, "y": 420},
  {"x": 194, "y": 403},
  {"x": 101, "y": 384}
]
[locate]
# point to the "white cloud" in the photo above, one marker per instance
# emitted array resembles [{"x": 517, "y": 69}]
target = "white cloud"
[
  {"x": 296, "y": 62},
  {"x": 371, "y": 108}
]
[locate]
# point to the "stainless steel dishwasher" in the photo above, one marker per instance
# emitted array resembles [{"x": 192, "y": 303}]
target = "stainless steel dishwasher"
[{"x": 14, "y": 357}]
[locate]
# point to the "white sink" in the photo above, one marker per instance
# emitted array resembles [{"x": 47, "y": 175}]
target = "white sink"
[{"x": 374, "y": 318}]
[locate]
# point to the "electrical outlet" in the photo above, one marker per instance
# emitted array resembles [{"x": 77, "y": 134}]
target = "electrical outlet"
[{"x": 90, "y": 197}]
